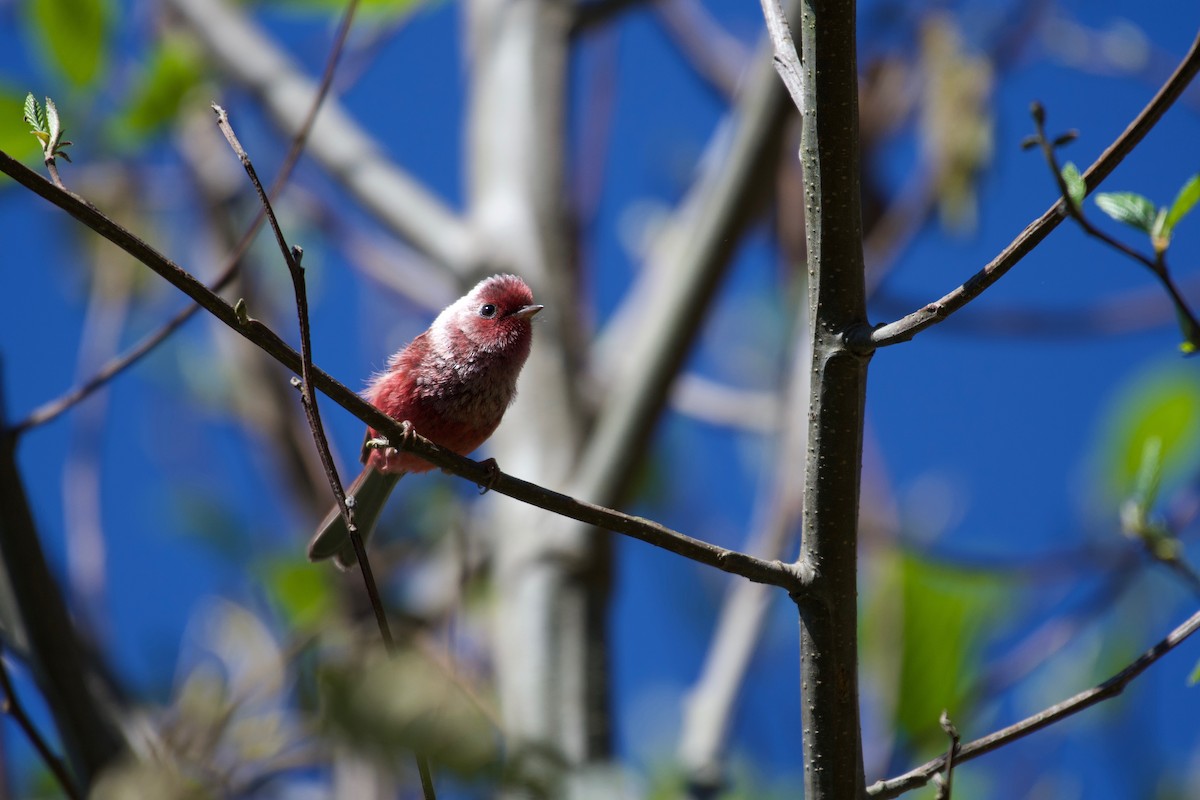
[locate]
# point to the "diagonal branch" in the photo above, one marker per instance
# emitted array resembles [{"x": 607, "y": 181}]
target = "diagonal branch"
[
  {"x": 1055, "y": 713},
  {"x": 399, "y": 435},
  {"x": 865, "y": 339},
  {"x": 89, "y": 734},
  {"x": 655, "y": 328},
  {"x": 11, "y": 706}
]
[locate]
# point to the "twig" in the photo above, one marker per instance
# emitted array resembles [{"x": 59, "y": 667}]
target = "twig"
[
  {"x": 1116, "y": 314},
  {"x": 399, "y": 435},
  {"x": 1073, "y": 705},
  {"x": 945, "y": 780},
  {"x": 13, "y": 708},
  {"x": 54, "y": 408},
  {"x": 866, "y": 339},
  {"x": 787, "y": 62},
  {"x": 1156, "y": 264}
]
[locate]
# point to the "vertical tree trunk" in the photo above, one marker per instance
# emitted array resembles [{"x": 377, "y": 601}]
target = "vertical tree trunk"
[{"x": 833, "y": 767}]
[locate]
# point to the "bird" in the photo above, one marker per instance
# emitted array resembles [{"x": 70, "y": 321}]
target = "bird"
[{"x": 452, "y": 383}]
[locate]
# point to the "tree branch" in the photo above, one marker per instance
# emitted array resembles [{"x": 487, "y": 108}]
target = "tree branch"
[
  {"x": 399, "y": 435},
  {"x": 90, "y": 737},
  {"x": 655, "y": 328},
  {"x": 1055, "y": 713},
  {"x": 11, "y": 706},
  {"x": 865, "y": 339}
]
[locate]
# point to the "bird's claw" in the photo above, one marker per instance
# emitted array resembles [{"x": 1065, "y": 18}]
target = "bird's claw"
[{"x": 493, "y": 470}]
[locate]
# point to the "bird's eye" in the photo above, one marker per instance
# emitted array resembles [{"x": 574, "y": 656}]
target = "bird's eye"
[{"x": 488, "y": 310}]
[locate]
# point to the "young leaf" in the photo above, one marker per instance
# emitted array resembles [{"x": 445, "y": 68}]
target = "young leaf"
[
  {"x": 1184, "y": 201},
  {"x": 1076, "y": 188},
  {"x": 34, "y": 115},
  {"x": 1129, "y": 207},
  {"x": 14, "y": 131}
]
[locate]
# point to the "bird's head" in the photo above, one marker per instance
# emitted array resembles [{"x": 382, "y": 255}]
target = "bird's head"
[{"x": 493, "y": 317}]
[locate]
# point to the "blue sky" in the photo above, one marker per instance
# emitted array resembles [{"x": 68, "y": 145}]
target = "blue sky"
[{"x": 989, "y": 442}]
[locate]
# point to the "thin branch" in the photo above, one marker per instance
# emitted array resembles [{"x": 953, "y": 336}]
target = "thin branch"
[
  {"x": 1055, "y": 713},
  {"x": 53, "y": 409},
  {"x": 787, "y": 62},
  {"x": 945, "y": 780},
  {"x": 399, "y": 435},
  {"x": 1156, "y": 264},
  {"x": 865, "y": 339},
  {"x": 1117, "y": 314},
  {"x": 11, "y": 705},
  {"x": 292, "y": 256}
]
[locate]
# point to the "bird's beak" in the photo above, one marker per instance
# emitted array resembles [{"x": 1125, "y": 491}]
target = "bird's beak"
[{"x": 525, "y": 312}]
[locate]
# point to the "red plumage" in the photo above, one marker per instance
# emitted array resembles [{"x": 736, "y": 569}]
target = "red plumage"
[{"x": 453, "y": 383}]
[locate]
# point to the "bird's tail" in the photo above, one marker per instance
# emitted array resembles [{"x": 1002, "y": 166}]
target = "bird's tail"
[{"x": 370, "y": 491}]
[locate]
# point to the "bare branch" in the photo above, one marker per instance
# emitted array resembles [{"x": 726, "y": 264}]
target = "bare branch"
[
  {"x": 11, "y": 706},
  {"x": 787, "y": 62},
  {"x": 90, "y": 736},
  {"x": 1055, "y": 713},
  {"x": 866, "y": 339},
  {"x": 656, "y": 325}
]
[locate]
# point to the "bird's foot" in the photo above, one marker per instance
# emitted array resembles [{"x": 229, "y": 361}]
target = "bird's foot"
[{"x": 493, "y": 469}]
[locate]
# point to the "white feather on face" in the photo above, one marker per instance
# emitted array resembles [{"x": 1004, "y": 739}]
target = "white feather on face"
[{"x": 490, "y": 333}]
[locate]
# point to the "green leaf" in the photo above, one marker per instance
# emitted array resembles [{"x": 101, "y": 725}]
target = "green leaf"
[
  {"x": 52, "y": 124},
  {"x": 929, "y": 620},
  {"x": 1162, "y": 404},
  {"x": 1194, "y": 678},
  {"x": 1128, "y": 207},
  {"x": 170, "y": 72},
  {"x": 73, "y": 36},
  {"x": 33, "y": 114},
  {"x": 1184, "y": 202},
  {"x": 304, "y": 594},
  {"x": 370, "y": 8},
  {"x": 1076, "y": 188},
  {"x": 1149, "y": 475}
]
